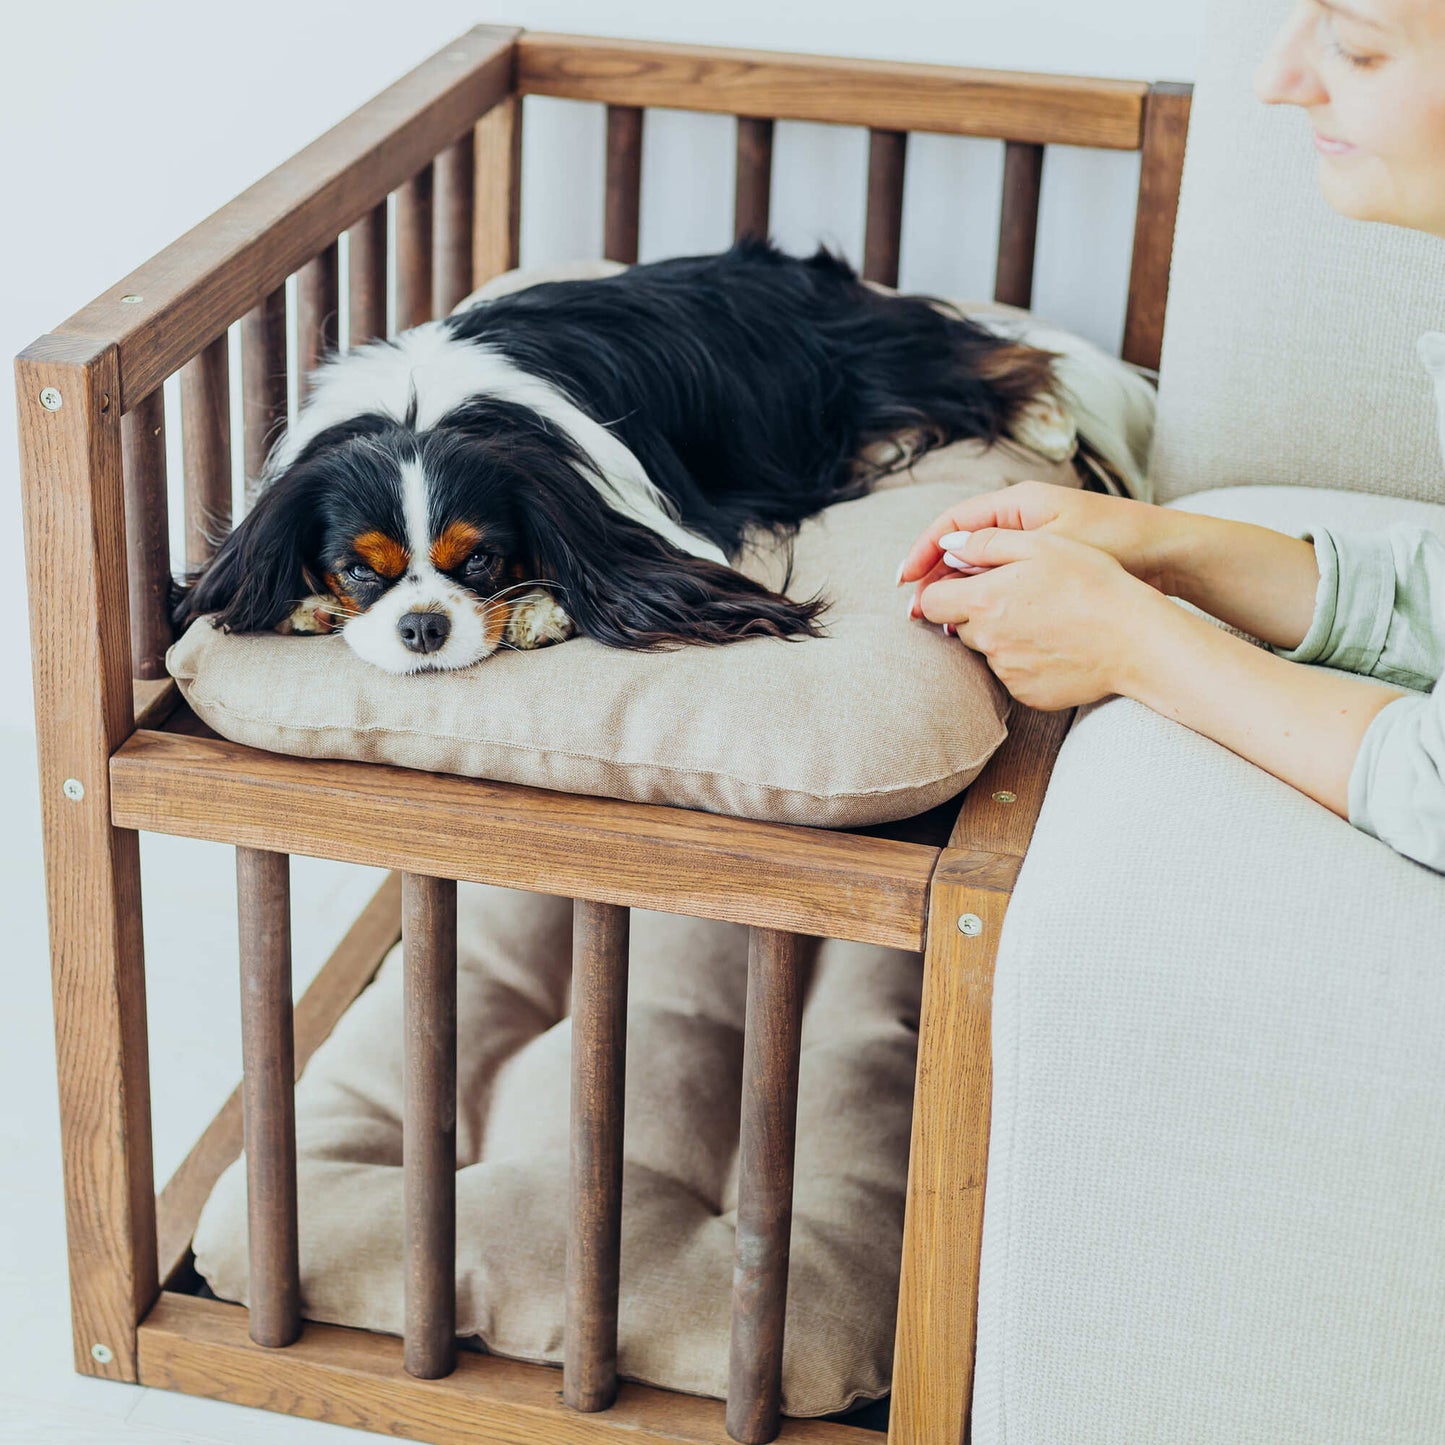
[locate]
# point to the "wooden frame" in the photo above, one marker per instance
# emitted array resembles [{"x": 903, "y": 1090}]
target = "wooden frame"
[{"x": 446, "y": 138}]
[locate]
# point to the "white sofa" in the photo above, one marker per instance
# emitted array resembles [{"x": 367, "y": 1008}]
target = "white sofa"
[{"x": 1216, "y": 1192}]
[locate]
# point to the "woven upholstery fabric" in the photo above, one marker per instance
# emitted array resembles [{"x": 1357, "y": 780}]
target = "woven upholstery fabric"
[
  {"x": 1290, "y": 347},
  {"x": 1216, "y": 1160},
  {"x": 686, "y": 994}
]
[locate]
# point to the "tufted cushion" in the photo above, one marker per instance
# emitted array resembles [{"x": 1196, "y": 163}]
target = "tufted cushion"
[
  {"x": 1290, "y": 353},
  {"x": 686, "y": 994}
]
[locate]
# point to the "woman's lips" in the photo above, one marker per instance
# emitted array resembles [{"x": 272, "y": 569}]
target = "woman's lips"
[{"x": 1326, "y": 146}]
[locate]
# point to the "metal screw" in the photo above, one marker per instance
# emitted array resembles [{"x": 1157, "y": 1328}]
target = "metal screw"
[
  {"x": 131, "y": 300},
  {"x": 73, "y": 789},
  {"x": 970, "y": 925},
  {"x": 51, "y": 399},
  {"x": 101, "y": 1354},
  {"x": 1005, "y": 797}
]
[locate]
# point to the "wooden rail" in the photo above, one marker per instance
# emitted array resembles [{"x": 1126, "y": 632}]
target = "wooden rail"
[
  {"x": 882, "y": 95},
  {"x": 229, "y": 263},
  {"x": 833, "y": 885}
]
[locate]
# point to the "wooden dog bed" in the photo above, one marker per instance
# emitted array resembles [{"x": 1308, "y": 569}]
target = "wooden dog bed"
[{"x": 118, "y": 755}]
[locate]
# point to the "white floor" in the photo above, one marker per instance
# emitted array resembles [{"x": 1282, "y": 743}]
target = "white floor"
[{"x": 190, "y": 934}]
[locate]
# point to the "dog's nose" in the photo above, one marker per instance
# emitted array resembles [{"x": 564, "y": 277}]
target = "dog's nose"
[{"x": 423, "y": 631}]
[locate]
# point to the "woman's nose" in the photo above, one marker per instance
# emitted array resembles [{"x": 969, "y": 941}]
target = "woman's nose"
[{"x": 1287, "y": 74}]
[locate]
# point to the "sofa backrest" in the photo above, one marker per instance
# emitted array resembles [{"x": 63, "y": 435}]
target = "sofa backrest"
[{"x": 1290, "y": 346}]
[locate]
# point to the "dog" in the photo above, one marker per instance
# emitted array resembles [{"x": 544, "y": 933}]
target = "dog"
[{"x": 590, "y": 457}]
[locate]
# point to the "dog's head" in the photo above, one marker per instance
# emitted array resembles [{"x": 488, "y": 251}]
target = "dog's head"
[{"x": 422, "y": 543}]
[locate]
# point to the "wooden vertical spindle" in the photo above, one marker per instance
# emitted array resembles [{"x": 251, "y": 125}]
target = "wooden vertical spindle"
[
  {"x": 263, "y": 892},
  {"x": 455, "y": 207},
  {"x": 318, "y": 308},
  {"x": 497, "y": 146},
  {"x": 147, "y": 541},
  {"x": 206, "y": 447},
  {"x": 771, "y": 1040},
  {"x": 887, "y": 152},
  {"x": 594, "y": 1237},
  {"x": 752, "y": 194},
  {"x": 414, "y": 211},
  {"x": 366, "y": 277},
  {"x": 1161, "y": 169},
  {"x": 624, "y": 183},
  {"x": 429, "y": 1124},
  {"x": 263, "y": 381},
  {"x": 1023, "y": 173}
]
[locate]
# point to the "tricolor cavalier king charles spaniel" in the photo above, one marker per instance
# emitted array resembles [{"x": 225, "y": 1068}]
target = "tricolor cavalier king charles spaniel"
[{"x": 588, "y": 456}]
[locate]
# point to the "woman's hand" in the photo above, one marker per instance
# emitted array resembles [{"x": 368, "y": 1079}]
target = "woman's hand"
[
  {"x": 1139, "y": 536},
  {"x": 1055, "y": 618},
  {"x": 1253, "y": 578}
]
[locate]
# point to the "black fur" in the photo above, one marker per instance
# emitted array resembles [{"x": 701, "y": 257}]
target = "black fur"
[{"x": 747, "y": 384}]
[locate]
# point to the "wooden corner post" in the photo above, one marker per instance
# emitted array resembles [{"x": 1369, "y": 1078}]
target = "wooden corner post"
[
  {"x": 70, "y": 459},
  {"x": 972, "y": 885}
]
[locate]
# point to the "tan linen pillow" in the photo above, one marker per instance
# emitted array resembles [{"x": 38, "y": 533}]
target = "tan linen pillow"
[
  {"x": 1290, "y": 353},
  {"x": 687, "y": 987},
  {"x": 881, "y": 719}
]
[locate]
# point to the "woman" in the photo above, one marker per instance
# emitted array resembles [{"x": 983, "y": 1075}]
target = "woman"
[{"x": 1067, "y": 593}]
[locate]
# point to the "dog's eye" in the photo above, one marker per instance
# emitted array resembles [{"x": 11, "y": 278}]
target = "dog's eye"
[
  {"x": 479, "y": 563},
  {"x": 359, "y": 572}
]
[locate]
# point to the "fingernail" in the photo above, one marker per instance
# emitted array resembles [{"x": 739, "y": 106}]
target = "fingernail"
[
  {"x": 954, "y": 539},
  {"x": 911, "y": 601},
  {"x": 953, "y": 560},
  {"x": 898, "y": 580},
  {"x": 948, "y": 629}
]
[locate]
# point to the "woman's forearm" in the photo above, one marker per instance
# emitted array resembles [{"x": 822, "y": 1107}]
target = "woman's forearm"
[
  {"x": 1301, "y": 724},
  {"x": 1255, "y": 579}
]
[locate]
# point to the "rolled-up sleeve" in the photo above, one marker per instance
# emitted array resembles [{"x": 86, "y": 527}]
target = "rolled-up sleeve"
[
  {"x": 1380, "y": 611},
  {"x": 1379, "y": 605},
  {"x": 1397, "y": 785}
]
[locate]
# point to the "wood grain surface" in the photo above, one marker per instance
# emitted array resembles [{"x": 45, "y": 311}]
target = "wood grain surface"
[
  {"x": 206, "y": 449},
  {"x": 778, "y": 965},
  {"x": 355, "y": 1378},
  {"x": 226, "y": 265},
  {"x": 1023, "y": 174},
  {"x": 147, "y": 535},
  {"x": 774, "y": 874},
  {"x": 1161, "y": 168},
  {"x": 600, "y": 933},
  {"x": 884, "y": 95},
  {"x": 268, "y": 1094},
  {"x": 429, "y": 1124},
  {"x": 72, "y": 489},
  {"x": 497, "y": 148}
]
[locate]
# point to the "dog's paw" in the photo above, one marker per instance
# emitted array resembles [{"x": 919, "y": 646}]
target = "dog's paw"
[
  {"x": 1044, "y": 426},
  {"x": 311, "y": 616},
  {"x": 537, "y": 620}
]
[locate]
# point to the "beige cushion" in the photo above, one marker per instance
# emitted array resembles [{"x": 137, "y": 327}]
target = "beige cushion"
[
  {"x": 686, "y": 994},
  {"x": 1290, "y": 349},
  {"x": 881, "y": 719},
  {"x": 1216, "y": 1162}
]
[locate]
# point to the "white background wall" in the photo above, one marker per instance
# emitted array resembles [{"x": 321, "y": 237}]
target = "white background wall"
[{"x": 124, "y": 122}]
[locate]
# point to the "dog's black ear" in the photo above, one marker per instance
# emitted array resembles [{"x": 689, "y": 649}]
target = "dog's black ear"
[
  {"x": 263, "y": 569},
  {"x": 625, "y": 586}
]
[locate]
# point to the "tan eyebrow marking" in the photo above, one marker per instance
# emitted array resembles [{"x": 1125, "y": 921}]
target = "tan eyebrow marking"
[
  {"x": 457, "y": 542},
  {"x": 384, "y": 555}
]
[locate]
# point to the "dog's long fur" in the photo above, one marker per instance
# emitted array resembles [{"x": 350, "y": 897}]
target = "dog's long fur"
[{"x": 604, "y": 446}]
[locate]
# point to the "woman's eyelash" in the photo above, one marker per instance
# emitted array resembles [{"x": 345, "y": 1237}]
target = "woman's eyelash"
[{"x": 1360, "y": 62}]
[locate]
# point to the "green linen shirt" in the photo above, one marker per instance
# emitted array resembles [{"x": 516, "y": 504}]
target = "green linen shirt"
[{"x": 1380, "y": 611}]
